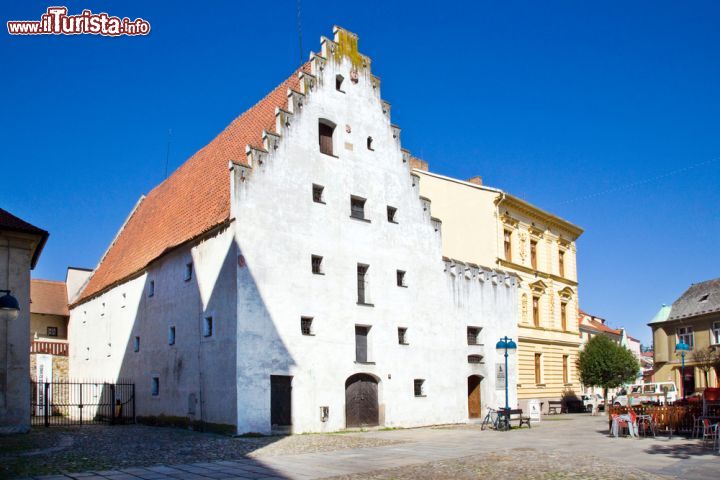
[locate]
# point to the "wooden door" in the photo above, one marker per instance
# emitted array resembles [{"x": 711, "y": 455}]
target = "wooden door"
[
  {"x": 361, "y": 401},
  {"x": 473, "y": 384},
  {"x": 325, "y": 137},
  {"x": 280, "y": 400}
]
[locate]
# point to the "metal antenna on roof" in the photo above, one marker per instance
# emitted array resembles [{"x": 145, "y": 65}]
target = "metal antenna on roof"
[
  {"x": 299, "y": 29},
  {"x": 167, "y": 152}
]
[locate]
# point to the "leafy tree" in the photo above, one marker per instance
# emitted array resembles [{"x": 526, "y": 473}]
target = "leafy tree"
[
  {"x": 605, "y": 364},
  {"x": 706, "y": 359}
]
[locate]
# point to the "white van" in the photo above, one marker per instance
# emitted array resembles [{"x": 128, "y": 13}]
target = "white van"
[{"x": 646, "y": 392}]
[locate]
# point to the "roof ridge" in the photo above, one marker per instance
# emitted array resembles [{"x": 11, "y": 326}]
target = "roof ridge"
[{"x": 43, "y": 280}]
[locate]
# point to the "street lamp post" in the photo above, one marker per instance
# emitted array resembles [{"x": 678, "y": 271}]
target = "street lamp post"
[
  {"x": 503, "y": 346},
  {"x": 682, "y": 347}
]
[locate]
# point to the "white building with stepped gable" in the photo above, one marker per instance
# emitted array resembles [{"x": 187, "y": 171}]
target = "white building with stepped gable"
[{"x": 289, "y": 276}]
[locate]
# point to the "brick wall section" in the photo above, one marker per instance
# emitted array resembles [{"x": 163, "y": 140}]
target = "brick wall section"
[{"x": 60, "y": 368}]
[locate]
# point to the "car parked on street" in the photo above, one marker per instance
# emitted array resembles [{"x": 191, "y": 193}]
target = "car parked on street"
[
  {"x": 656, "y": 392},
  {"x": 588, "y": 402}
]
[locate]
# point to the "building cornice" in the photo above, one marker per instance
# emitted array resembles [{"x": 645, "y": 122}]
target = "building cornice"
[
  {"x": 538, "y": 273},
  {"x": 531, "y": 210}
]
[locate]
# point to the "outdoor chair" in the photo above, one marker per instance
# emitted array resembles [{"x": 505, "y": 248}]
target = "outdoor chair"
[
  {"x": 647, "y": 423},
  {"x": 710, "y": 432}
]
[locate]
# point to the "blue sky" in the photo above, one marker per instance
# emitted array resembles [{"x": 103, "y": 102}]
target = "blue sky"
[{"x": 566, "y": 104}]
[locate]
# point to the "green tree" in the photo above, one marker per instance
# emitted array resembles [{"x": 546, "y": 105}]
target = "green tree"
[{"x": 605, "y": 364}]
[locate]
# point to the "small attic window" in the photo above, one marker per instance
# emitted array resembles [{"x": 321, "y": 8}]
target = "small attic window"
[
  {"x": 338, "y": 83},
  {"x": 704, "y": 298}
]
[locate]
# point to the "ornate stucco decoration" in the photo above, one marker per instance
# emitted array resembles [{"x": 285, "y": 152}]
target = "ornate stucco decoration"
[
  {"x": 509, "y": 221},
  {"x": 524, "y": 308},
  {"x": 538, "y": 287},
  {"x": 566, "y": 293},
  {"x": 536, "y": 232},
  {"x": 523, "y": 238}
]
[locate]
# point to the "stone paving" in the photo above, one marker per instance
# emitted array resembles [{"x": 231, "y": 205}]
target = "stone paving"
[{"x": 565, "y": 446}]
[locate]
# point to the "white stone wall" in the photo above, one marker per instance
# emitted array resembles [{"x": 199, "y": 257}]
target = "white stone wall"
[
  {"x": 279, "y": 227},
  {"x": 255, "y": 279},
  {"x": 196, "y": 373}
]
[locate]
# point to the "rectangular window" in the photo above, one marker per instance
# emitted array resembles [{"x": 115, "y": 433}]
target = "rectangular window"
[
  {"x": 566, "y": 375},
  {"x": 188, "y": 271},
  {"x": 318, "y": 193},
  {"x": 361, "y": 344},
  {"x": 52, "y": 331},
  {"x": 136, "y": 344},
  {"x": 155, "y": 386},
  {"x": 563, "y": 316},
  {"x": 362, "y": 283},
  {"x": 473, "y": 334},
  {"x": 391, "y": 214},
  {"x": 536, "y": 311},
  {"x": 685, "y": 334},
  {"x": 171, "y": 336},
  {"x": 533, "y": 254},
  {"x": 326, "y": 138},
  {"x": 400, "y": 278},
  {"x": 538, "y": 361},
  {"x": 715, "y": 334},
  {"x": 151, "y": 288},
  {"x": 402, "y": 336},
  {"x": 316, "y": 264},
  {"x": 306, "y": 325},
  {"x": 508, "y": 245},
  {"x": 208, "y": 327},
  {"x": 561, "y": 263},
  {"x": 419, "y": 387},
  {"x": 357, "y": 207}
]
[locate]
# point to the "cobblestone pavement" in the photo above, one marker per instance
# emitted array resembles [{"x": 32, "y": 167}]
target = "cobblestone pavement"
[
  {"x": 102, "y": 448},
  {"x": 568, "y": 446}
]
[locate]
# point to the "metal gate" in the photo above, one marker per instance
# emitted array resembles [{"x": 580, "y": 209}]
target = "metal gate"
[{"x": 82, "y": 403}]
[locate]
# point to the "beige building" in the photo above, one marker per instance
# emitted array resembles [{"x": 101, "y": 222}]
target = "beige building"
[
  {"x": 20, "y": 246},
  {"x": 487, "y": 226},
  {"x": 49, "y": 318},
  {"x": 693, "y": 318}
]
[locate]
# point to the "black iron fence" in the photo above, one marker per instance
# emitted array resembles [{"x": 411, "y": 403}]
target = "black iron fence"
[{"x": 82, "y": 403}]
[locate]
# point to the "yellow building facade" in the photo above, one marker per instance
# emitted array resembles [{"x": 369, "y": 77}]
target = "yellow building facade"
[{"x": 487, "y": 226}]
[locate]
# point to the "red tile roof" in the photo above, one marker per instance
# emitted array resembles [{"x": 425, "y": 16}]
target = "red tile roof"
[
  {"x": 8, "y": 221},
  {"x": 596, "y": 325},
  {"x": 192, "y": 201},
  {"x": 48, "y": 297}
]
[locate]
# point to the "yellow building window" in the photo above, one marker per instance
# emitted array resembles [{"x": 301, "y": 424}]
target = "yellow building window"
[
  {"x": 533, "y": 254},
  {"x": 538, "y": 361},
  {"x": 508, "y": 245},
  {"x": 561, "y": 263},
  {"x": 536, "y": 311},
  {"x": 563, "y": 316},
  {"x": 566, "y": 373}
]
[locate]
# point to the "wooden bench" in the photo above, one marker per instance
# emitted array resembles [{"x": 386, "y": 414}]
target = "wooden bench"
[
  {"x": 555, "y": 407},
  {"x": 517, "y": 414}
]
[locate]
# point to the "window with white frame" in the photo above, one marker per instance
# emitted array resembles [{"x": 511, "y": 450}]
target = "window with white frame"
[
  {"x": 715, "y": 334},
  {"x": 685, "y": 334}
]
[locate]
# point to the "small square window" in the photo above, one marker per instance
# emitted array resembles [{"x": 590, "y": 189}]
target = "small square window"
[
  {"x": 208, "y": 327},
  {"x": 171, "y": 336},
  {"x": 318, "y": 193},
  {"x": 136, "y": 344},
  {"x": 419, "y": 387},
  {"x": 155, "y": 386},
  {"x": 151, "y": 288},
  {"x": 391, "y": 214},
  {"x": 357, "y": 207},
  {"x": 402, "y": 336},
  {"x": 400, "y": 277},
  {"x": 306, "y": 325},
  {"x": 473, "y": 334},
  {"x": 474, "y": 359},
  {"x": 188, "y": 271},
  {"x": 52, "y": 331},
  {"x": 316, "y": 264},
  {"x": 339, "y": 79}
]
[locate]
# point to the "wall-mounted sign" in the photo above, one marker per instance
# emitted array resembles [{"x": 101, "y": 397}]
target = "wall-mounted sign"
[{"x": 500, "y": 376}]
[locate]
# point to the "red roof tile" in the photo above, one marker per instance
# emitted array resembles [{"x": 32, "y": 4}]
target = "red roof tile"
[
  {"x": 192, "y": 201},
  {"x": 48, "y": 297}
]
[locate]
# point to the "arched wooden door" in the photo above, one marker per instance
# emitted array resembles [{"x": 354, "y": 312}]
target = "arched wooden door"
[
  {"x": 361, "y": 401},
  {"x": 473, "y": 384}
]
